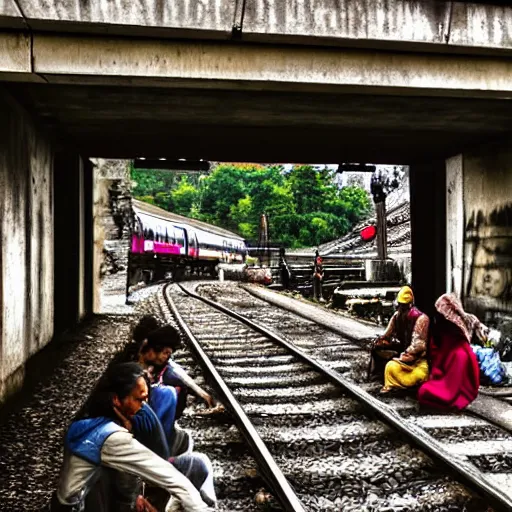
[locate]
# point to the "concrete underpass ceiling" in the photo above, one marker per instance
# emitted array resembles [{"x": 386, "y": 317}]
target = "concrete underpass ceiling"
[{"x": 265, "y": 126}]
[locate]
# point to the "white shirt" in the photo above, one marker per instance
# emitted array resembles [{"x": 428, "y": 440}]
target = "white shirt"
[{"x": 122, "y": 452}]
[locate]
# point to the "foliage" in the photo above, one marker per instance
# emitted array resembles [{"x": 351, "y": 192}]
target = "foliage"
[{"x": 304, "y": 205}]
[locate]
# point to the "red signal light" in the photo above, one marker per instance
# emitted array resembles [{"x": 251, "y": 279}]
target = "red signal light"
[{"x": 368, "y": 233}]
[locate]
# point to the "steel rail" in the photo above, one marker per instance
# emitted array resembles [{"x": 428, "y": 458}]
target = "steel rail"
[
  {"x": 464, "y": 470},
  {"x": 270, "y": 470}
]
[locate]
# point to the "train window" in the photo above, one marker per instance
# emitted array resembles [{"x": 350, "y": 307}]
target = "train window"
[
  {"x": 192, "y": 240},
  {"x": 181, "y": 238},
  {"x": 151, "y": 234}
]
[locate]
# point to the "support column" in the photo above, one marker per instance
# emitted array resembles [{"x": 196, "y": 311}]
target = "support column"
[
  {"x": 88, "y": 237},
  {"x": 455, "y": 224},
  {"x": 70, "y": 304},
  {"x": 428, "y": 233}
]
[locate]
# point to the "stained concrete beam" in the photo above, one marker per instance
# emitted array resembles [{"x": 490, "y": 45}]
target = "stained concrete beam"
[
  {"x": 15, "y": 52},
  {"x": 16, "y": 58},
  {"x": 10, "y": 15},
  {"x": 430, "y": 25},
  {"x": 185, "y": 18},
  {"x": 160, "y": 62},
  {"x": 381, "y": 23}
]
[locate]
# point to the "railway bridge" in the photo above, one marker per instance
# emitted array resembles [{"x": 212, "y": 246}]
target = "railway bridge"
[{"x": 425, "y": 83}]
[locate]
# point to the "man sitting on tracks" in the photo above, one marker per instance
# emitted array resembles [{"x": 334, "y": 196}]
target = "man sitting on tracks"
[
  {"x": 97, "y": 439},
  {"x": 157, "y": 351},
  {"x": 170, "y": 384},
  {"x": 403, "y": 346}
]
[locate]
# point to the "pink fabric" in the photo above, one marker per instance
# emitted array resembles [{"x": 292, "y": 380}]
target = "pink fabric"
[{"x": 454, "y": 379}]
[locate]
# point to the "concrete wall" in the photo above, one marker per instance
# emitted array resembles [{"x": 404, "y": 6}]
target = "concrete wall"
[
  {"x": 26, "y": 231},
  {"x": 112, "y": 218},
  {"x": 488, "y": 231}
]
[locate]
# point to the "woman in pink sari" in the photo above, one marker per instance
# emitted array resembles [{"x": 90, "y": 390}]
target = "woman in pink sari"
[{"x": 454, "y": 374}]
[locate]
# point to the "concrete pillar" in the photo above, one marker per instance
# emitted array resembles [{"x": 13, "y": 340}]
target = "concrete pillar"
[
  {"x": 455, "y": 222},
  {"x": 26, "y": 250},
  {"x": 70, "y": 240},
  {"x": 428, "y": 232},
  {"x": 487, "y": 190},
  {"x": 88, "y": 238}
]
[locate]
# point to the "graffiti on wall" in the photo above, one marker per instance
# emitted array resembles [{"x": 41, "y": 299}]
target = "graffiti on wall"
[{"x": 489, "y": 248}]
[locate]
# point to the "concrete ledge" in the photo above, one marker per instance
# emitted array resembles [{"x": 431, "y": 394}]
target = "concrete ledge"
[
  {"x": 346, "y": 327},
  {"x": 14, "y": 52},
  {"x": 270, "y": 66}
]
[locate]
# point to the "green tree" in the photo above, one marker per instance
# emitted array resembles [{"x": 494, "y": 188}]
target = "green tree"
[
  {"x": 147, "y": 182},
  {"x": 304, "y": 205},
  {"x": 183, "y": 197}
]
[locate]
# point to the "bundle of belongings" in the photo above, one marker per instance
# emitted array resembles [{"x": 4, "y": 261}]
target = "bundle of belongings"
[{"x": 491, "y": 348}]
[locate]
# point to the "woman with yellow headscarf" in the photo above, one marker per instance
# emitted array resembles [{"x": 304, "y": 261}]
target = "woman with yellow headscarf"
[{"x": 408, "y": 329}]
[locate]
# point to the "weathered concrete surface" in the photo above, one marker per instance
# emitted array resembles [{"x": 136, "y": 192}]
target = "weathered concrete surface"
[
  {"x": 487, "y": 180},
  {"x": 114, "y": 60},
  {"x": 454, "y": 224},
  {"x": 374, "y": 23},
  {"x": 112, "y": 221},
  {"x": 197, "y": 18},
  {"x": 26, "y": 228},
  {"x": 10, "y": 16},
  {"x": 380, "y": 23},
  {"x": 15, "y": 52}
]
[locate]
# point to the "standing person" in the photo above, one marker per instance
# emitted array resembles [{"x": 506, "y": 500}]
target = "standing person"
[
  {"x": 455, "y": 376},
  {"x": 405, "y": 340},
  {"x": 284, "y": 270},
  {"x": 97, "y": 439},
  {"x": 318, "y": 276}
]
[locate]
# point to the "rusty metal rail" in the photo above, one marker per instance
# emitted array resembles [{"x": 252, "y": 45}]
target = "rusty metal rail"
[
  {"x": 462, "y": 470},
  {"x": 270, "y": 470}
]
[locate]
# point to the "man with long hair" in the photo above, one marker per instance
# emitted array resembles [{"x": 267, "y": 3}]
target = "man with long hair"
[{"x": 99, "y": 438}]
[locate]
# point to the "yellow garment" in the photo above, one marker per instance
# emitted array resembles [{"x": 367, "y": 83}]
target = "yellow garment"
[
  {"x": 405, "y": 295},
  {"x": 401, "y": 375}
]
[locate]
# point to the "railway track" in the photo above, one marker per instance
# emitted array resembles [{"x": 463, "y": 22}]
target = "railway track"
[{"x": 334, "y": 455}]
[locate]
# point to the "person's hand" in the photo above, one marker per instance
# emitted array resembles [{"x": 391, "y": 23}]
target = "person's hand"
[
  {"x": 406, "y": 358},
  {"x": 143, "y": 505},
  {"x": 210, "y": 402},
  {"x": 380, "y": 342},
  {"x": 127, "y": 424}
]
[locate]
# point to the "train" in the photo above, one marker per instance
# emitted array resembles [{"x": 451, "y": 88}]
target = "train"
[{"x": 162, "y": 242}]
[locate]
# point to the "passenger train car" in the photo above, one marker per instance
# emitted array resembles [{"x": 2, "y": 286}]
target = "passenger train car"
[{"x": 163, "y": 242}]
